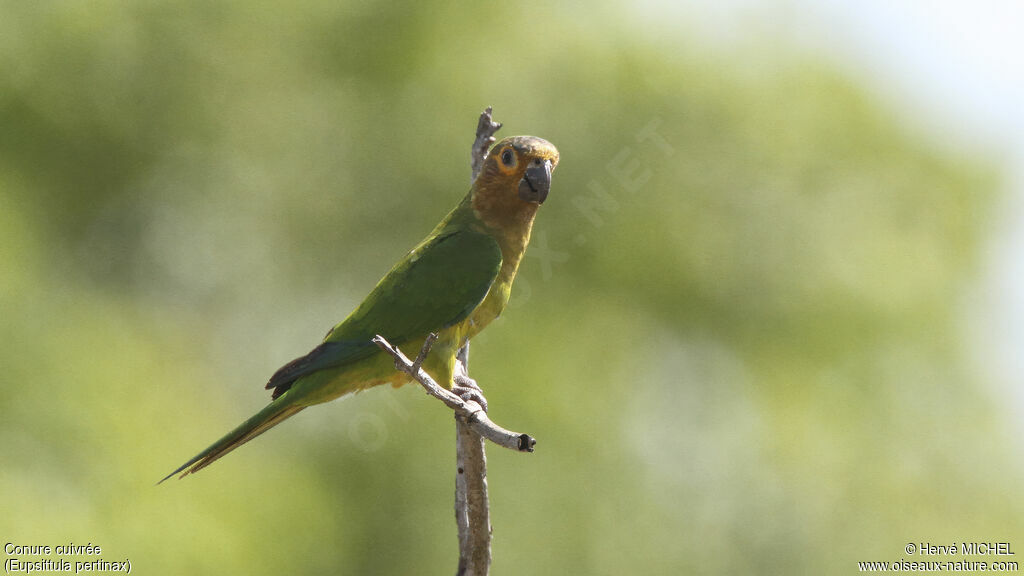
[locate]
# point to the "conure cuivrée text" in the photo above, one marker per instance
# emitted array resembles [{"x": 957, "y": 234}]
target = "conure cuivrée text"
[{"x": 453, "y": 283}]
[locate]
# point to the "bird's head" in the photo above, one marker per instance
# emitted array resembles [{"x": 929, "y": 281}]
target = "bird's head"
[{"x": 515, "y": 178}]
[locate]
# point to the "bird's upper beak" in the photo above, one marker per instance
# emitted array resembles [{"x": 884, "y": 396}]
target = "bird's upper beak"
[{"x": 536, "y": 182}]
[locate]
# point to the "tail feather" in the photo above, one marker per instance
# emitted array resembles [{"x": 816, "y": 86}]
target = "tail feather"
[{"x": 275, "y": 413}]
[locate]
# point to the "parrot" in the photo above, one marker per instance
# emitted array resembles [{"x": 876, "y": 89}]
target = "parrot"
[{"x": 452, "y": 284}]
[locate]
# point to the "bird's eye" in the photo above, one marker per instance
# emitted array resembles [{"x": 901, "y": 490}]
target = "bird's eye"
[{"x": 506, "y": 158}]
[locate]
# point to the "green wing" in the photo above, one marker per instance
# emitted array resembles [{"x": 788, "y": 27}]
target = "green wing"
[{"x": 436, "y": 285}]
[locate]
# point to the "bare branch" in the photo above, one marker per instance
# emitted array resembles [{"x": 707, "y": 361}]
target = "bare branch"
[
  {"x": 472, "y": 508},
  {"x": 470, "y": 412},
  {"x": 485, "y": 129},
  {"x": 427, "y": 343}
]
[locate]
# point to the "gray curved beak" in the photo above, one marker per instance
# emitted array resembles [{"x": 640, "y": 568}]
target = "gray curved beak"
[{"x": 536, "y": 183}]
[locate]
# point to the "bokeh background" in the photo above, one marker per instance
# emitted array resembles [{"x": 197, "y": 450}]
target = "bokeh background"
[{"x": 768, "y": 322}]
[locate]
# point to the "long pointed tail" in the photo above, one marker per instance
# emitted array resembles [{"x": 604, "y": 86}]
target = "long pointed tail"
[{"x": 275, "y": 413}]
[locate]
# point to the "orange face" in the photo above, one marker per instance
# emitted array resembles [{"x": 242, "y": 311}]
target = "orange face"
[
  {"x": 514, "y": 181},
  {"x": 523, "y": 164}
]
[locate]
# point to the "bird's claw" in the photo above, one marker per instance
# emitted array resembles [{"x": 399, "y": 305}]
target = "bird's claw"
[{"x": 467, "y": 389}]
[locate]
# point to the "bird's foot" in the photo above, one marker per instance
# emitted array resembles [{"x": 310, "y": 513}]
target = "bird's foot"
[{"x": 467, "y": 389}]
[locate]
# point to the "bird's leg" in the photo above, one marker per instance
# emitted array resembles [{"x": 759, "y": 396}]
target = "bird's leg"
[{"x": 466, "y": 388}]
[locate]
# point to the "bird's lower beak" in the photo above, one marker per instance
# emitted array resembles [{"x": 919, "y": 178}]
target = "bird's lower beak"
[{"x": 536, "y": 183}]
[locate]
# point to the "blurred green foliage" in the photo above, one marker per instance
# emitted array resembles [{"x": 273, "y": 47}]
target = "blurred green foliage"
[{"x": 737, "y": 336}]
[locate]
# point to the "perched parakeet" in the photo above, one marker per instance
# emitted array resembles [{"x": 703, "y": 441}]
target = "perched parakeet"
[{"x": 453, "y": 283}]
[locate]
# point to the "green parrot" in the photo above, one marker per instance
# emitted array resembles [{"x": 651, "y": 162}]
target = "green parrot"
[{"x": 453, "y": 283}]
